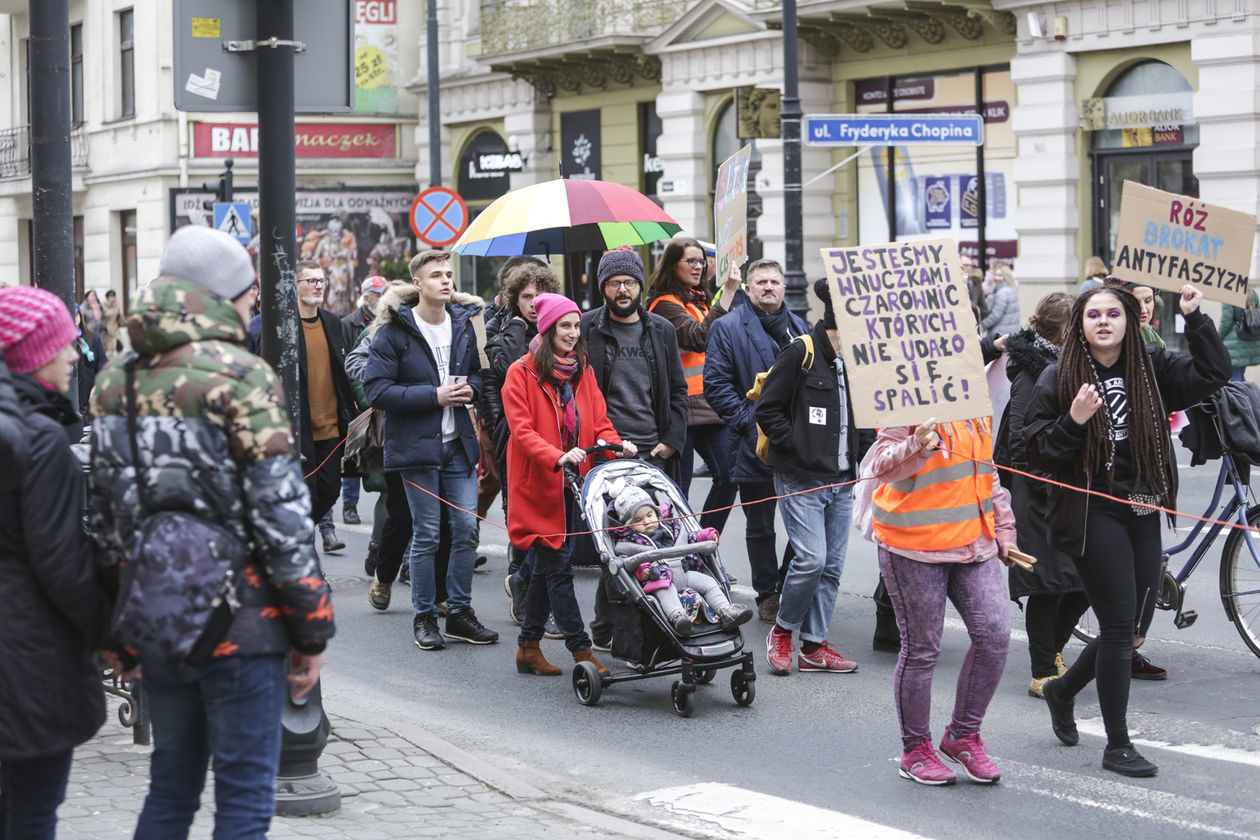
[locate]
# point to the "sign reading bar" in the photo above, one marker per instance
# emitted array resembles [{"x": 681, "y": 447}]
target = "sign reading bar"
[
  {"x": 1167, "y": 240},
  {"x": 893, "y": 129},
  {"x": 730, "y": 211},
  {"x": 908, "y": 337}
]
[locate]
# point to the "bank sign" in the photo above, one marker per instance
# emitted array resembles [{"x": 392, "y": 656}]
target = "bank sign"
[
  {"x": 893, "y": 129},
  {"x": 310, "y": 140}
]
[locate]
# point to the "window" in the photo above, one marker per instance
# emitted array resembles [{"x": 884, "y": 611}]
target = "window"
[
  {"x": 127, "y": 228},
  {"x": 127, "y": 62},
  {"x": 76, "y": 74}
]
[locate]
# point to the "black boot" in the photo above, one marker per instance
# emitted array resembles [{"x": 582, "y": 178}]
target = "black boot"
[{"x": 372, "y": 559}]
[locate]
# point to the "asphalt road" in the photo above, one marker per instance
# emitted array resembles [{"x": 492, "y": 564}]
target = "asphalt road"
[{"x": 815, "y": 755}]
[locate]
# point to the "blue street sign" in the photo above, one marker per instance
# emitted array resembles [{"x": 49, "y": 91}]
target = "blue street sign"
[
  {"x": 893, "y": 129},
  {"x": 232, "y": 217}
]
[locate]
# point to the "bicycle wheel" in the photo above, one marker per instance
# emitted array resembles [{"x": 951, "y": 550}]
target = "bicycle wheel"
[
  {"x": 1086, "y": 628},
  {"x": 1240, "y": 583}
]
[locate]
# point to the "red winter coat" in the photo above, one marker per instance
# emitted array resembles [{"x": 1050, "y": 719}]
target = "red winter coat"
[{"x": 536, "y": 501}]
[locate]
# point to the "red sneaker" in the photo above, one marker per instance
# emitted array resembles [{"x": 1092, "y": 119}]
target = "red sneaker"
[
  {"x": 922, "y": 765},
  {"x": 825, "y": 660},
  {"x": 779, "y": 650},
  {"x": 969, "y": 752}
]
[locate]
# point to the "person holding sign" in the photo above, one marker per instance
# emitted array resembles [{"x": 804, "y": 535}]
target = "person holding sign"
[
  {"x": 941, "y": 519},
  {"x": 1097, "y": 419}
]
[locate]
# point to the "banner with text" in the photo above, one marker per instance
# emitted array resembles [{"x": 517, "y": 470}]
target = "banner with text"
[
  {"x": 730, "y": 213},
  {"x": 1167, "y": 240},
  {"x": 310, "y": 140},
  {"x": 907, "y": 334}
]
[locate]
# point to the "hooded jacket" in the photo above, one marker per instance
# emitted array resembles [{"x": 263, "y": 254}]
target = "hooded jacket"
[
  {"x": 55, "y": 610},
  {"x": 215, "y": 439},
  {"x": 401, "y": 379}
]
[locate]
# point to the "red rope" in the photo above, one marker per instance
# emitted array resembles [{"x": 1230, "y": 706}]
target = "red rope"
[{"x": 340, "y": 443}]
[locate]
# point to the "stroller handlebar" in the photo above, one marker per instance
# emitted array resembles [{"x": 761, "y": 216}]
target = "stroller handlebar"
[{"x": 672, "y": 552}]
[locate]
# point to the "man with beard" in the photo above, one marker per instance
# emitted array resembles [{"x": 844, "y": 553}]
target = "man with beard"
[
  {"x": 742, "y": 345},
  {"x": 634, "y": 356}
]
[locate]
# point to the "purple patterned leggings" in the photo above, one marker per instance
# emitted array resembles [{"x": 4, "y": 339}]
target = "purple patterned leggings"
[{"x": 918, "y": 591}]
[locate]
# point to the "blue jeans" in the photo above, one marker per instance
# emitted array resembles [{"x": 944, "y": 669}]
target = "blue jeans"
[
  {"x": 229, "y": 709},
  {"x": 1238, "y": 374},
  {"x": 350, "y": 492},
  {"x": 456, "y": 482},
  {"x": 716, "y": 447},
  {"x": 817, "y": 523},
  {"x": 30, "y": 791},
  {"x": 549, "y": 573}
]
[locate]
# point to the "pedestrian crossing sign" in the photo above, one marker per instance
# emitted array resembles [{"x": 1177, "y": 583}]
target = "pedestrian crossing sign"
[{"x": 232, "y": 217}]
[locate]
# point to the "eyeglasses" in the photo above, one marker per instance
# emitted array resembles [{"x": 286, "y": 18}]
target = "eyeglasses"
[
  {"x": 623, "y": 284},
  {"x": 693, "y": 262},
  {"x": 314, "y": 281}
]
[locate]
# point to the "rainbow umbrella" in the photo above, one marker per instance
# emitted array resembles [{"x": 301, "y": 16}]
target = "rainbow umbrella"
[{"x": 565, "y": 215}]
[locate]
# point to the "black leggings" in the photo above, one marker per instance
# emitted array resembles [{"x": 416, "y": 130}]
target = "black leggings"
[
  {"x": 1049, "y": 619},
  {"x": 1120, "y": 571}
]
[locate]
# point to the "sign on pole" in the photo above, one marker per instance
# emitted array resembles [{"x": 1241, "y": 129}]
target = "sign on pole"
[
  {"x": 730, "y": 212},
  {"x": 1167, "y": 240},
  {"x": 438, "y": 217},
  {"x": 232, "y": 217},
  {"x": 908, "y": 336},
  {"x": 893, "y": 129}
]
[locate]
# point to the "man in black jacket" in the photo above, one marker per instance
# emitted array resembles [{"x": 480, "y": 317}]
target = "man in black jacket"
[
  {"x": 806, "y": 412},
  {"x": 634, "y": 356}
]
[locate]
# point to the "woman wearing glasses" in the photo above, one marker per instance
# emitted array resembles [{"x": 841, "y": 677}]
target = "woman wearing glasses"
[{"x": 677, "y": 293}]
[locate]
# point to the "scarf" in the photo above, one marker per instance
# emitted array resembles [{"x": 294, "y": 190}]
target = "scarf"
[
  {"x": 561, "y": 382},
  {"x": 778, "y": 325}
]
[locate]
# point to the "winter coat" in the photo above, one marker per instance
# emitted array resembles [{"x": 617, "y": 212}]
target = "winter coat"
[
  {"x": 347, "y": 408},
  {"x": 55, "y": 611},
  {"x": 401, "y": 378},
  {"x": 356, "y": 322},
  {"x": 89, "y": 345},
  {"x": 1026, "y": 359},
  {"x": 490, "y": 407},
  {"x": 1003, "y": 317},
  {"x": 1053, "y": 439},
  {"x": 536, "y": 504},
  {"x": 787, "y": 413},
  {"x": 215, "y": 440},
  {"x": 509, "y": 342},
  {"x": 1242, "y": 353},
  {"x": 115, "y": 323},
  {"x": 738, "y": 350},
  {"x": 668, "y": 396}
]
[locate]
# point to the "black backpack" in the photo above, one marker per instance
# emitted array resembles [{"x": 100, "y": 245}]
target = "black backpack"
[{"x": 1249, "y": 323}]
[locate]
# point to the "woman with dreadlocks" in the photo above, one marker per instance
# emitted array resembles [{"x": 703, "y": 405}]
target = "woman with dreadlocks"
[{"x": 1098, "y": 420}]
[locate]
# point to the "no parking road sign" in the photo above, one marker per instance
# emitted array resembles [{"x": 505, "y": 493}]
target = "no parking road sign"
[{"x": 438, "y": 217}]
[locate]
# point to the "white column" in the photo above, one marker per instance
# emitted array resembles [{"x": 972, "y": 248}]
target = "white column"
[
  {"x": 1046, "y": 175},
  {"x": 1227, "y": 161},
  {"x": 422, "y": 150},
  {"x": 684, "y": 186},
  {"x": 10, "y": 263},
  {"x": 531, "y": 126}
]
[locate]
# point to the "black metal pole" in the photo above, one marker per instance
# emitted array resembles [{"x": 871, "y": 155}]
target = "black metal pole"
[
  {"x": 890, "y": 162},
  {"x": 300, "y": 788},
  {"x": 434, "y": 97},
  {"x": 982, "y": 210},
  {"x": 790, "y": 115},
  {"x": 52, "y": 198}
]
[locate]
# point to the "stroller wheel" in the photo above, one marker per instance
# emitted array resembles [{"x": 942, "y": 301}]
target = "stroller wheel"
[
  {"x": 704, "y": 676},
  {"x": 684, "y": 698},
  {"x": 587, "y": 684},
  {"x": 742, "y": 689}
]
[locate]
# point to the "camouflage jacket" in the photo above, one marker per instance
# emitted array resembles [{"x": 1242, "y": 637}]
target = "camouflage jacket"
[{"x": 215, "y": 440}]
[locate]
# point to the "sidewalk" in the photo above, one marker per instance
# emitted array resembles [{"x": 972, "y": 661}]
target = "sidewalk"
[{"x": 391, "y": 787}]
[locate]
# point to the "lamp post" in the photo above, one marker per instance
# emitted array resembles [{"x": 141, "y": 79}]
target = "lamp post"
[{"x": 790, "y": 115}]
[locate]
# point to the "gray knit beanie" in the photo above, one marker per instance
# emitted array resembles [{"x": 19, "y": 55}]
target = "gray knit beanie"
[
  {"x": 620, "y": 262},
  {"x": 210, "y": 258}
]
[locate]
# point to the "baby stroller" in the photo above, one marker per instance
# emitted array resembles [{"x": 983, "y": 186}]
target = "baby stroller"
[{"x": 643, "y": 637}]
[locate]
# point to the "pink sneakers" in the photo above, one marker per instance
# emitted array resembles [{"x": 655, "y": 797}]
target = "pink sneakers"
[
  {"x": 825, "y": 660},
  {"x": 779, "y": 650},
  {"x": 969, "y": 752},
  {"x": 923, "y": 766}
]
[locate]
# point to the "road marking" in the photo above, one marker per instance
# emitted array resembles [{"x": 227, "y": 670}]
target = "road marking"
[
  {"x": 720, "y": 810},
  {"x": 1216, "y": 752}
]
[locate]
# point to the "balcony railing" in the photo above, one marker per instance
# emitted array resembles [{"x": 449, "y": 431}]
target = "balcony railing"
[
  {"x": 15, "y": 151},
  {"x": 523, "y": 25}
]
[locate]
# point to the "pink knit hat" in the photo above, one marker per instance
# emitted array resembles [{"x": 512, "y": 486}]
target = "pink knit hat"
[
  {"x": 34, "y": 327},
  {"x": 551, "y": 308}
]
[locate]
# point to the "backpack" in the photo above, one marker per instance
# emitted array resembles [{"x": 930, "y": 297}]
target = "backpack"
[
  {"x": 1249, "y": 323},
  {"x": 754, "y": 393}
]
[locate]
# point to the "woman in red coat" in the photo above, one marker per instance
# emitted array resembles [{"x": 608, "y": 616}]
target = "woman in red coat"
[{"x": 553, "y": 411}]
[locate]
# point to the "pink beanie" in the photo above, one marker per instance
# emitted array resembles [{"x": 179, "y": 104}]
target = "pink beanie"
[
  {"x": 34, "y": 327},
  {"x": 551, "y": 308}
]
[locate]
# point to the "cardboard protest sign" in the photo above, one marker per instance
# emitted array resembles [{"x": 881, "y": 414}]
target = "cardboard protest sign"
[
  {"x": 907, "y": 334},
  {"x": 1167, "y": 240},
  {"x": 730, "y": 211}
]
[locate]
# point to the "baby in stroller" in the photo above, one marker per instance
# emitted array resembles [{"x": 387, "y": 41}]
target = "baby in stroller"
[{"x": 684, "y": 590}]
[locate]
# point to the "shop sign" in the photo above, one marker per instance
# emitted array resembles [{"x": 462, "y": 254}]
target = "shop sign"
[
  {"x": 484, "y": 167},
  {"x": 653, "y": 166},
  {"x": 1163, "y": 109},
  {"x": 310, "y": 140},
  {"x": 875, "y": 92},
  {"x": 580, "y": 144}
]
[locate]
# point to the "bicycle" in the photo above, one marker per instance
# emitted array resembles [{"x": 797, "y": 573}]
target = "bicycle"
[{"x": 1240, "y": 569}]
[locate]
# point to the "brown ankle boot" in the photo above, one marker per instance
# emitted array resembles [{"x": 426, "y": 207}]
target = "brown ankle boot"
[
  {"x": 530, "y": 660},
  {"x": 585, "y": 655}
]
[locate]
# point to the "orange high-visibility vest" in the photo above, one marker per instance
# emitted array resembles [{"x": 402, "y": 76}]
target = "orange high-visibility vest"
[
  {"x": 946, "y": 504},
  {"x": 692, "y": 362}
]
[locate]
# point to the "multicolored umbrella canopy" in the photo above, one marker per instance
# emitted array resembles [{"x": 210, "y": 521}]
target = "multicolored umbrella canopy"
[{"x": 565, "y": 215}]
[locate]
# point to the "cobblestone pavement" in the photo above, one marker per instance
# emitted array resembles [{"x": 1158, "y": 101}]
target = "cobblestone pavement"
[{"x": 390, "y": 787}]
